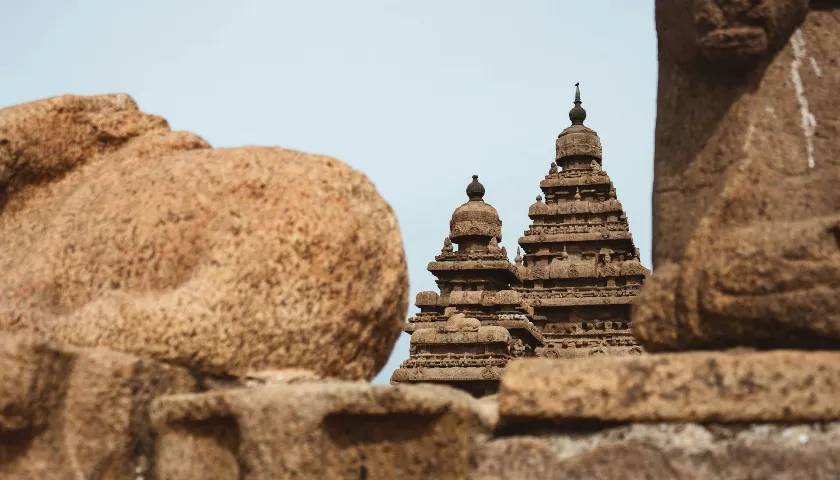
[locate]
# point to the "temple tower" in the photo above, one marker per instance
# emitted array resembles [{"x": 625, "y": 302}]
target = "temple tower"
[
  {"x": 581, "y": 270},
  {"x": 465, "y": 335}
]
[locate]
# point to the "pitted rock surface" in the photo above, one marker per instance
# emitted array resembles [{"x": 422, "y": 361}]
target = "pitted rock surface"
[
  {"x": 745, "y": 207},
  {"x": 78, "y": 413},
  {"x": 776, "y": 386},
  {"x": 321, "y": 430},
  {"x": 117, "y": 232},
  {"x": 685, "y": 451}
]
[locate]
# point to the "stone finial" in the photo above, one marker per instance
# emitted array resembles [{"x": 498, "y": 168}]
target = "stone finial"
[
  {"x": 539, "y": 198},
  {"x": 553, "y": 168},
  {"x": 564, "y": 255},
  {"x": 447, "y": 245},
  {"x": 493, "y": 245},
  {"x": 475, "y": 190},
  {"x": 577, "y": 114},
  {"x": 518, "y": 259},
  {"x": 577, "y": 194}
]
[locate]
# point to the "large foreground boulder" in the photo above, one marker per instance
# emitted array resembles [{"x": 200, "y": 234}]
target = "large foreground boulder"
[
  {"x": 117, "y": 232},
  {"x": 746, "y": 207}
]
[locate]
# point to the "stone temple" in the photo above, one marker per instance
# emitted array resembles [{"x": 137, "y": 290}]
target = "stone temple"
[
  {"x": 581, "y": 270},
  {"x": 568, "y": 296},
  {"x": 465, "y": 335}
]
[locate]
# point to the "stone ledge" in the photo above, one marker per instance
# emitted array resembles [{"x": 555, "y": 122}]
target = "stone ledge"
[
  {"x": 774, "y": 386},
  {"x": 676, "y": 450}
]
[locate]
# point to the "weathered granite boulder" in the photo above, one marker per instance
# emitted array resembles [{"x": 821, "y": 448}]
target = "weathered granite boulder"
[
  {"x": 746, "y": 204},
  {"x": 320, "y": 430},
  {"x": 684, "y": 451},
  {"x": 78, "y": 413},
  {"x": 117, "y": 232},
  {"x": 776, "y": 386}
]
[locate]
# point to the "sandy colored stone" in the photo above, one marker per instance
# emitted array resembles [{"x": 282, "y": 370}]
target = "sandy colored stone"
[
  {"x": 78, "y": 413},
  {"x": 745, "y": 205},
  {"x": 784, "y": 386},
  {"x": 117, "y": 232},
  {"x": 320, "y": 430},
  {"x": 679, "y": 451}
]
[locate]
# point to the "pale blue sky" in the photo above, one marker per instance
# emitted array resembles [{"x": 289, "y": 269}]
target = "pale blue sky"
[{"x": 419, "y": 95}]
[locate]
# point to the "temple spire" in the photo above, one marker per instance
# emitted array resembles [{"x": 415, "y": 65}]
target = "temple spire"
[{"x": 577, "y": 114}]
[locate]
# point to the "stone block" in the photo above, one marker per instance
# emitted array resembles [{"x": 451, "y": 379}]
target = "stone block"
[
  {"x": 323, "y": 429},
  {"x": 117, "y": 232},
  {"x": 78, "y": 413},
  {"x": 775, "y": 386},
  {"x": 679, "y": 451}
]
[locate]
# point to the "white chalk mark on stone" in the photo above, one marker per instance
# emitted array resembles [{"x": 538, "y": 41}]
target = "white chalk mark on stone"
[
  {"x": 816, "y": 67},
  {"x": 809, "y": 122},
  {"x": 748, "y": 138}
]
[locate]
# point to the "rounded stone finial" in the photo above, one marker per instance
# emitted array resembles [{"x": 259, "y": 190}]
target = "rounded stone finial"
[
  {"x": 577, "y": 114},
  {"x": 475, "y": 190},
  {"x": 475, "y": 218},
  {"x": 539, "y": 197}
]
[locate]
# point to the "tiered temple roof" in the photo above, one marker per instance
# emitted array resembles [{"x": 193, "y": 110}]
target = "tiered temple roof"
[
  {"x": 465, "y": 335},
  {"x": 581, "y": 270}
]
